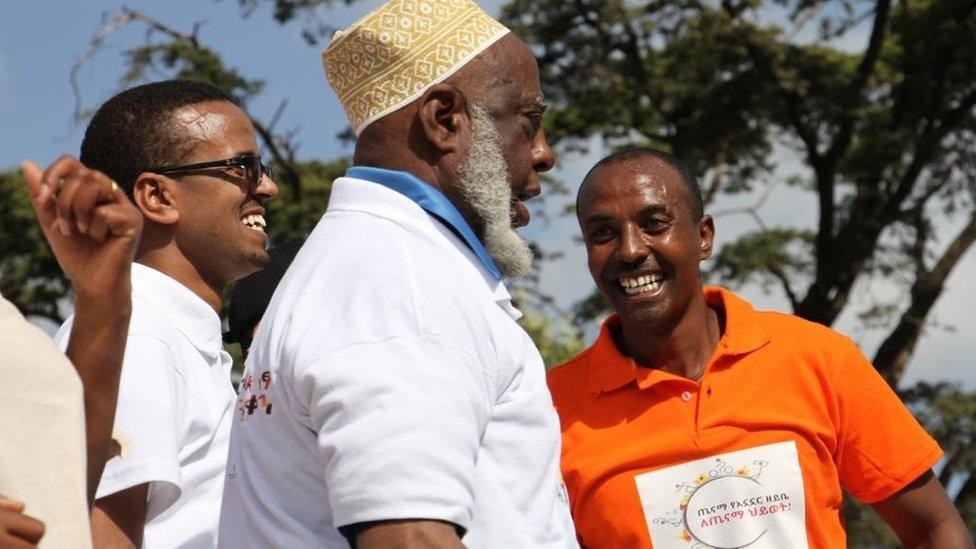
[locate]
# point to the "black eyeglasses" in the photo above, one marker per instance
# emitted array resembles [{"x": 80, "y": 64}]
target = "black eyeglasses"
[{"x": 253, "y": 168}]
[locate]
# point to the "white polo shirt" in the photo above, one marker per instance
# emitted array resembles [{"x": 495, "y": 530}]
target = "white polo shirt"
[
  {"x": 389, "y": 380},
  {"x": 175, "y": 404}
]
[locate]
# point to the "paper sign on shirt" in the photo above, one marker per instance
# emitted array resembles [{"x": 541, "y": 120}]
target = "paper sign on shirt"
[{"x": 748, "y": 498}]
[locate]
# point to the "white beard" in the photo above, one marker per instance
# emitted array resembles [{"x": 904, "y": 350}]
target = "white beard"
[{"x": 484, "y": 186}]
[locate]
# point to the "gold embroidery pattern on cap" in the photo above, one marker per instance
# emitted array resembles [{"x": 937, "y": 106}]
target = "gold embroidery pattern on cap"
[{"x": 390, "y": 56}]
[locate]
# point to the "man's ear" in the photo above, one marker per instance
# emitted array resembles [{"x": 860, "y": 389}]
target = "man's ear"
[
  {"x": 153, "y": 195},
  {"x": 706, "y": 231},
  {"x": 443, "y": 114}
]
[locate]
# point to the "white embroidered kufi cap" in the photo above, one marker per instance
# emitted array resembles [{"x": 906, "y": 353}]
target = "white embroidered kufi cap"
[{"x": 396, "y": 52}]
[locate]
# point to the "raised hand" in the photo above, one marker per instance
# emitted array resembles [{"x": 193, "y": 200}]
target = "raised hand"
[
  {"x": 91, "y": 226},
  {"x": 94, "y": 231}
]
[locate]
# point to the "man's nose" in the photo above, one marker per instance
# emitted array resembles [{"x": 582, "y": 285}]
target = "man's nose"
[
  {"x": 543, "y": 158},
  {"x": 632, "y": 248},
  {"x": 267, "y": 189}
]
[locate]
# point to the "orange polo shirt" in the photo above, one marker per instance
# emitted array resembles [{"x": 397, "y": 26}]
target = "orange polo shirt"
[{"x": 787, "y": 413}]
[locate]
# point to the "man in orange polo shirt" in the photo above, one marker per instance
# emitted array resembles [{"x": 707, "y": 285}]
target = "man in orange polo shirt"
[{"x": 695, "y": 421}]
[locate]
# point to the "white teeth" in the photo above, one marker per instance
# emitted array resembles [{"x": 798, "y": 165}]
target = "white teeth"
[
  {"x": 254, "y": 221},
  {"x": 640, "y": 284}
]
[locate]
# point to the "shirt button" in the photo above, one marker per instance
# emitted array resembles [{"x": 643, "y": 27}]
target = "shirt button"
[{"x": 686, "y": 396}]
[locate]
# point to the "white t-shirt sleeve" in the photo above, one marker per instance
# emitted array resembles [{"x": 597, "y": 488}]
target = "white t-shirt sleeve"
[
  {"x": 399, "y": 425},
  {"x": 148, "y": 413}
]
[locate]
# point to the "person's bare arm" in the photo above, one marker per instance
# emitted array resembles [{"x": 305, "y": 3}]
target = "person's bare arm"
[
  {"x": 407, "y": 534},
  {"x": 923, "y": 516},
  {"x": 93, "y": 230},
  {"x": 118, "y": 520}
]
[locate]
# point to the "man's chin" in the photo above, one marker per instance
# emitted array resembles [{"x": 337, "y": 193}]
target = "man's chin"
[{"x": 252, "y": 261}]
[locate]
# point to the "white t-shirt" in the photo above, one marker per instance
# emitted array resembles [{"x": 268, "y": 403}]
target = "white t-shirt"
[
  {"x": 42, "y": 432},
  {"x": 389, "y": 379},
  {"x": 175, "y": 404}
]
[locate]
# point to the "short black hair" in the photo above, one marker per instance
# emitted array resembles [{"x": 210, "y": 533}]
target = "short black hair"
[
  {"x": 633, "y": 153},
  {"x": 133, "y": 131}
]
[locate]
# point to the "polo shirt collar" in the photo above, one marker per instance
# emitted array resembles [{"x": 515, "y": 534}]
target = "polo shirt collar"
[
  {"x": 188, "y": 312},
  {"x": 610, "y": 369},
  {"x": 433, "y": 202},
  {"x": 743, "y": 331}
]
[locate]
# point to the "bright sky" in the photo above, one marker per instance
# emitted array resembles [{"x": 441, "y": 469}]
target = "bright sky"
[{"x": 40, "y": 41}]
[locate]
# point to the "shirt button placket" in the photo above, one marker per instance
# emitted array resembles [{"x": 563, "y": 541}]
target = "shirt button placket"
[{"x": 687, "y": 397}]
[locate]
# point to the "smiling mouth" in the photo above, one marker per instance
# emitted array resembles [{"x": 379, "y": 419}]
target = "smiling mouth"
[
  {"x": 255, "y": 222},
  {"x": 641, "y": 284}
]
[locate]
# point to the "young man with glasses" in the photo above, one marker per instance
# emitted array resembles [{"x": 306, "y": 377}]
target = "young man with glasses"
[{"x": 187, "y": 157}]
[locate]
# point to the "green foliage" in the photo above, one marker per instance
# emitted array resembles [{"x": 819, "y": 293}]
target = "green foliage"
[
  {"x": 187, "y": 60},
  {"x": 652, "y": 72},
  {"x": 29, "y": 275},
  {"x": 769, "y": 257},
  {"x": 883, "y": 132}
]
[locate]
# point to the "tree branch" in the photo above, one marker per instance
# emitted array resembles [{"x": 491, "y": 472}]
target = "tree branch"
[
  {"x": 94, "y": 47},
  {"x": 862, "y": 232},
  {"x": 715, "y": 182},
  {"x": 753, "y": 212},
  {"x": 892, "y": 356},
  {"x": 855, "y": 93},
  {"x": 784, "y": 281},
  {"x": 825, "y": 168},
  {"x": 124, "y": 17},
  {"x": 927, "y": 147},
  {"x": 156, "y": 24}
]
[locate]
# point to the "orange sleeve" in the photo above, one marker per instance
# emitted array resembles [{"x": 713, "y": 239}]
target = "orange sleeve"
[{"x": 881, "y": 446}]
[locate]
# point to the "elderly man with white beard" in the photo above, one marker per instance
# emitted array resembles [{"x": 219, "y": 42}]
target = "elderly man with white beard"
[{"x": 390, "y": 399}]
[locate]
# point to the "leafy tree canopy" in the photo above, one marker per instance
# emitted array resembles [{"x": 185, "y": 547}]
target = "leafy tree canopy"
[{"x": 884, "y": 133}]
